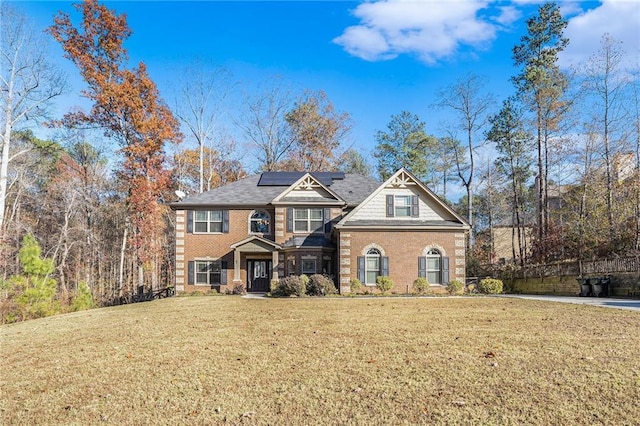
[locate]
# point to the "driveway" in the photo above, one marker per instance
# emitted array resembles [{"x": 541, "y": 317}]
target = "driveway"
[{"x": 630, "y": 304}]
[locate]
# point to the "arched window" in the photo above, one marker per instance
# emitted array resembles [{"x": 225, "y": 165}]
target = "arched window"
[
  {"x": 259, "y": 222},
  {"x": 372, "y": 266},
  {"x": 434, "y": 266}
]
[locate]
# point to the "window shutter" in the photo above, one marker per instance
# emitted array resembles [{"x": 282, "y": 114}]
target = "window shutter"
[
  {"x": 327, "y": 220},
  {"x": 223, "y": 272},
  {"x": 190, "y": 221},
  {"x": 289, "y": 219},
  {"x": 389, "y": 205},
  {"x": 384, "y": 267},
  {"x": 361, "y": 276},
  {"x": 445, "y": 270},
  {"x": 225, "y": 221},
  {"x": 422, "y": 267},
  {"x": 415, "y": 206},
  {"x": 191, "y": 272}
]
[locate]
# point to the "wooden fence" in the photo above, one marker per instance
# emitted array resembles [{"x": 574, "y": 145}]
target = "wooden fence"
[{"x": 581, "y": 268}]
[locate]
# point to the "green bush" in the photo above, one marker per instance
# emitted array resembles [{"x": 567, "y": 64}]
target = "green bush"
[
  {"x": 471, "y": 288},
  {"x": 290, "y": 286},
  {"x": 83, "y": 300},
  {"x": 356, "y": 285},
  {"x": 421, "y": 285},
  {"x": 455, "y": 287},
  {"x": 384, "y": 284},
  {"x": 490, "y": 286},
  {"x": 320, "y": 285},
  {"x": 305, "y": 279}
]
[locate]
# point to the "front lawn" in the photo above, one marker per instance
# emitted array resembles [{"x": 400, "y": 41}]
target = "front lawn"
[{"x": 211, "y": 360}]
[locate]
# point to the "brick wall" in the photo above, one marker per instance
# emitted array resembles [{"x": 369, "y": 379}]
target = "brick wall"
[
  {"x": 403, "y": 249},
  {"x": 622, "y": 285}
]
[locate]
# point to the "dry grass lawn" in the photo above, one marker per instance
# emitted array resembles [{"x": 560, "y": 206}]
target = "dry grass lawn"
[{"x": 215, "y": 360}]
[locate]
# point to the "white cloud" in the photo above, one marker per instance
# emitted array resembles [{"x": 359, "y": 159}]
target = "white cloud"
[
  {"x": 619, "y": 18},
  {"x": 432, "y": 30}
]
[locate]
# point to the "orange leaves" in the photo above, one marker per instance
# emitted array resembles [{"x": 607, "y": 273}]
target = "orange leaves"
[{"x": 127, "y": 105}]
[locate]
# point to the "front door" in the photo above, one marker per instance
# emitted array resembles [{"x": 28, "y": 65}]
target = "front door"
[{"x": 258, "y": 276}]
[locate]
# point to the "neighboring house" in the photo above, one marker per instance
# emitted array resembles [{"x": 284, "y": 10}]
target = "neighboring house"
[{"x": 258, "y": 229}]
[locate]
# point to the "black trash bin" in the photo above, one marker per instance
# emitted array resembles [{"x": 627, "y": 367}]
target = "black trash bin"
[
  {"x": 585, "y": 287},
  {"x": 596, "y": 287},
  {"x": 604, "y": 286}
]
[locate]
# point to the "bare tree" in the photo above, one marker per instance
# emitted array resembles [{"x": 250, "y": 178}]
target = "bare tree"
[
  {"x": 471, "y": 105},
  {"x": 201, "y": 99},
  {"x": 28, "y": 83},
  {"x": 605, "y": 86},
  {"x": 263, "y": 122}
]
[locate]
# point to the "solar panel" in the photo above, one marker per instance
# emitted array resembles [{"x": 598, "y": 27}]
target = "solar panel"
[{"x": 288, "y": 178}]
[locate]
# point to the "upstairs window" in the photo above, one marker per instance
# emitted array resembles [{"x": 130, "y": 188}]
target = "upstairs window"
[
  {"x": 308, "y": 220},
  {"x": 402, "y": 206},
  {"x": 208, "y": 221},
  {"x": 260, "y": 222}
]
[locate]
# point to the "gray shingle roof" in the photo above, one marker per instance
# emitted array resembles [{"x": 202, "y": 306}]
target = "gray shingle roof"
[{"x": 353, "y": 189}]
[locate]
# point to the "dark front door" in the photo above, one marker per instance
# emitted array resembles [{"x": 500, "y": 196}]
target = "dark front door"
[{"x": 258, "y": 276}]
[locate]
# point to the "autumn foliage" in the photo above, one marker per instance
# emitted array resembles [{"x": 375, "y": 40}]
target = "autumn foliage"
[{"x": 128, "y": 107}]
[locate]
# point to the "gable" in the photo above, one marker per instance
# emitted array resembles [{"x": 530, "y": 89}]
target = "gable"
[
  {"x": 308, "y": 189},
  {"x": 379, "y": 209}
]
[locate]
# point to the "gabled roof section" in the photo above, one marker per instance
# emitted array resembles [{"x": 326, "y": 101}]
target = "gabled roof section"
[
  {"x": 256, "y": 239},
  {"x": 308, "y": 189},
  {"x": 369, "y": 213}
]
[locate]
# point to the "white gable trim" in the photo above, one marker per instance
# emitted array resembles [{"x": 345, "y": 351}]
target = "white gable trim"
[
  {"x": 308, "y": 182},
  {"x": 404, "y": 179}
]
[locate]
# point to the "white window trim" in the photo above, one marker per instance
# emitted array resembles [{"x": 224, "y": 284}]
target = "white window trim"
[
  {"x": 308, "y": 220},
  {"x": 209, "y": 222},
  {"x": 439, "y": 270},
  {"x": 366, "y": 270},
  {"x": 396, "y": 206},
  {"x": 195, "y": 271}
]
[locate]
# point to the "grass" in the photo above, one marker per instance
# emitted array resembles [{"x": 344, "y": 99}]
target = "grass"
[{"x": 216, "y": 360}]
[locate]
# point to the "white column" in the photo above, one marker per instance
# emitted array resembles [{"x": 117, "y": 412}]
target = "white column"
[
  {"x": 236, "y": 265},
  {"x": 274, "y": 264}
]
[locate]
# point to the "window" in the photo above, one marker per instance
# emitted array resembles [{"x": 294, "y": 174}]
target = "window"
[
  {"x": 308, "y": 220},
  {"x": 207, "y": 272},
  {"x": 308, "y": 266},
  {"x": 434, "y": 267},
  {"x": 259, "y": 223},
  {"x": 402, "y": 205},
  {"x": 372, "y": 266},
  {"x": 208, "y": 221}
]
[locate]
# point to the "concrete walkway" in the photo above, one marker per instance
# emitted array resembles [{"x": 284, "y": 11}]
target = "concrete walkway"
[{"x": 607, "y": 302}]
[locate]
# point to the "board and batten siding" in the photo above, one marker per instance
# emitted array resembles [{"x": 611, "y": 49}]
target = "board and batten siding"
[{"x": 375, "y": 209}]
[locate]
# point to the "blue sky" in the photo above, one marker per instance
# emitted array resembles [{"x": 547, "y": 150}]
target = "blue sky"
[{"x": 373, "y": 59}]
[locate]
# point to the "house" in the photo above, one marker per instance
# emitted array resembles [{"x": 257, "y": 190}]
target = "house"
[{"x": 253, "y": 231}]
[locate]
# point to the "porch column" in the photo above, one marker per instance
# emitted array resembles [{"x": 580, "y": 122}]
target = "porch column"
[
  {"x": 236, "y": 265},
  {"x": 274, "y": 268}
]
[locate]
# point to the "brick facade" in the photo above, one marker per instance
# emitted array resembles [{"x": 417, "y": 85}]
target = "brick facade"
[{"x": 403, "y": 249}]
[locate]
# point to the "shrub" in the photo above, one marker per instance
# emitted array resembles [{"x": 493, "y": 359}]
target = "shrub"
[
  {"x": 471, "y": 288},
  {"x": 305, "y": 279},
  {"x": 455, "y": 287},
  {"x": 384, "y": 284},
  {"x": 290, "y": 286},
  {"x": 320, "y": 285},
  {"x": 490, "y": 286},
  {"x": 421, "y": 285},
  {"x": 356, "y": 285},
  {"x": 83, "y": 299}
]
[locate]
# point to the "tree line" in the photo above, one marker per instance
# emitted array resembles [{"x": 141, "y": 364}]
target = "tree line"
[{"x": 100, "y": 223}]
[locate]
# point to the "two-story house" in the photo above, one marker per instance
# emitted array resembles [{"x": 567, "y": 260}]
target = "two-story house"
[{"x": 274, "y": 224}]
